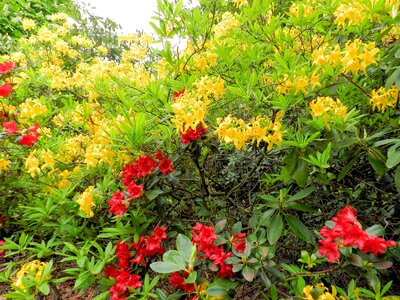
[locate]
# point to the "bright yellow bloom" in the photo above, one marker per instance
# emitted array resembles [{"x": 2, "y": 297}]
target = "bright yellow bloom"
[
  {"x": 227, "y": 23},
  {"x": 239, "y": 3},
  {"x": 320, "y": 292},
  {"x": 380, "y": 99},
  {"x": 32, "y": 108},
  {"x": 28, "y": 24},
  {"x": 4, "y": 163},
  {"x": 86, "y": 202},
  {"x": 48, "y": 160},
  {"x": 33, "y": 268},
  {"x": 32, "y": 164}
]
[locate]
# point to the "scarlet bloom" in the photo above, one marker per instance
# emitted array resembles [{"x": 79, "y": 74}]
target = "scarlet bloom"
[
  {"x": 178, "y": 94},
  {"x": 346, "y": 216},
  {"x": 178, "y": 282},
  {"x": 193, "y": 134},
  {"x": 239, "y": 242},
  {"x": 123, "y": 254},
  {"x": 5, "y": 90},
  {"x": 6, "y": 66},
  {"x": 124, "y": 280},
  {"x": 330, "y": 250},
  {"x": 28, "y": 140},
  {"x": 2, "y": 252},
  {"x": 10, "y": 127},
  {"x": 159, "y": 155},
  {"x": 117, "y": 205},
  {"x": 203, "y": 234},
  {"x": 134, "y": 190},
  {"x": 165, "y": 166},
  {"x": 148, "y": 246},
  {"x": 376, "y": 245}
]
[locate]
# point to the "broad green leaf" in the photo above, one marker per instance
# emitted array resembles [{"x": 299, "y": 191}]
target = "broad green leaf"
[
  {"x": 397, "y": 178},
  {"x": 393, "y": 159},
  {"x": 300, "y": 174},
  {"x": 299, "y": 229},
  {"x": 274, "y": 231},
  {"x": 248, "y": 273},
  {"x": 216, "y": 291},
  {"x": 347, "y": 168},
  {"x": 184, "y": 246},
  {"x": 376, "y": 230},
  {"x": 165, "y": 267}
]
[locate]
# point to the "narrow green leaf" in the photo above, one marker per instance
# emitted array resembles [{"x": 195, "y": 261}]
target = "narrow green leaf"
[
  {"x": 302, "y": 194},
  {"x": 216, "y": 291},
  {"x": 299, "y": 229},
  {"x": 274, "y": 231},
  {"x": 393, "y": 159}
]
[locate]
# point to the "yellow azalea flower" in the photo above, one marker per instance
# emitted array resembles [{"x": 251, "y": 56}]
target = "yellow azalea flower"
[
  {"x": 28, "y": 24},
  {"x": 48, "y": 160},
  {"x": 33, "y": 268},
  {"x": 227, "y": 23},
  {"x": 380, "y": 99},
  {"x": 31, "y": 108},
  {"x": 32, "y": 164},
  {"x": 86, "y": 202},
  {"x": 4, "y": 163},
  {"x": 240, "y": 3}
]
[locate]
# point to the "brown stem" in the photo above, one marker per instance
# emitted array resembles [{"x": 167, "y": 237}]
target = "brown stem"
[
  {"x": 356, "y": 85},
  {"x": 313, "y": 273}
]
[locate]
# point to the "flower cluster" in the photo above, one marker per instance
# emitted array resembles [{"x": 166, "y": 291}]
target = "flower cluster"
[
  {"x": 190, "y": 106},
  {"x": 204, "y": 237},
  {"x": 381, "y": 98},
  {"x": 26, "y": 139},
  {"x": 236, "y": 131},
  {"x": 146, "y": 247},
  {"x": 356, "y": 56},
  {"x": 138, "y": 169},
  {"x": 33, "y": 268},
  {"x": 348, "y": 232},
  {"x": 193, "y": 134},
  {"x": 320, "y": 292},
  {"x": 327, "y": 108},
  {"x": 228, "y": 22},
  {"x": 86, "y": 202}
]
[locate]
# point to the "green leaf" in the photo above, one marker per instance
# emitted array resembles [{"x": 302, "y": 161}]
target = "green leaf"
[
  {"x": 44, "y": 288},
  {"x": 300, "y": 175},
  {"x": 274, "y": 231},
  {"x": 376, "y": 230},
  {"x": 248, "y": 273},
  {"x": 184, "y": 246},
  {"x": 299, "y": 229},
  {"x": 397, "y": 178},
  {"x": 346, "y": 168},
  {"x": 383, "y": 265},
  {"x": 393, "y": 159},
  {"x": 357, "y": 261},
  {"x": 153, "y": 194},
  {"x": 103, "y": 296},
  {"x": 165, "y": 267},
  {"x": 216, "y": 291},
  {"x": 302, "y": 194},
  {"x": 265, "y": 279},
  {"x": 377, "y": 161},
  {"x": 265, "y": 217},
  {"x": 191, "y": 278},
  {"x": 161, "y": 294}
]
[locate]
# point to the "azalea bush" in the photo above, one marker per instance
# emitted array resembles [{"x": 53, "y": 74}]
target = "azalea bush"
[{"x": 247, "y": 149}]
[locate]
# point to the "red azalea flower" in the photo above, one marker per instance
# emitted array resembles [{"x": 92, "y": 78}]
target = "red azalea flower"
[
  {"x": 203, "y": 234},
  {"x": 178, "y": 282},
  {"x": 5, "y": 90},
  {"x": 376, "y": 245},
  {"x": 159, "y": 155},
  {"x": 354, "y": 236},
  {"x": 165, "y": 166},
  {"x": 160, "y": 232},
  {"x": 28, "y": 140},
  {"x": 330, "y": 250},
  {"x": 346, "y": 216},
  {"x": 225, "y": 271},
  {"x": 117, "y": 205},
  {"x": 123, "y": 254},
  {"x": 178, "y": 94},
  {"x": 6, "y": 66},
  {"x": 134, "y": 190},
  {"x": 2, "y": 252},
  {"x": 10, "y": 127},
  {"x": 192, "y": 135},
  {"x": 111, "y": 271},
  {"x": 239, "y": 242}
]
